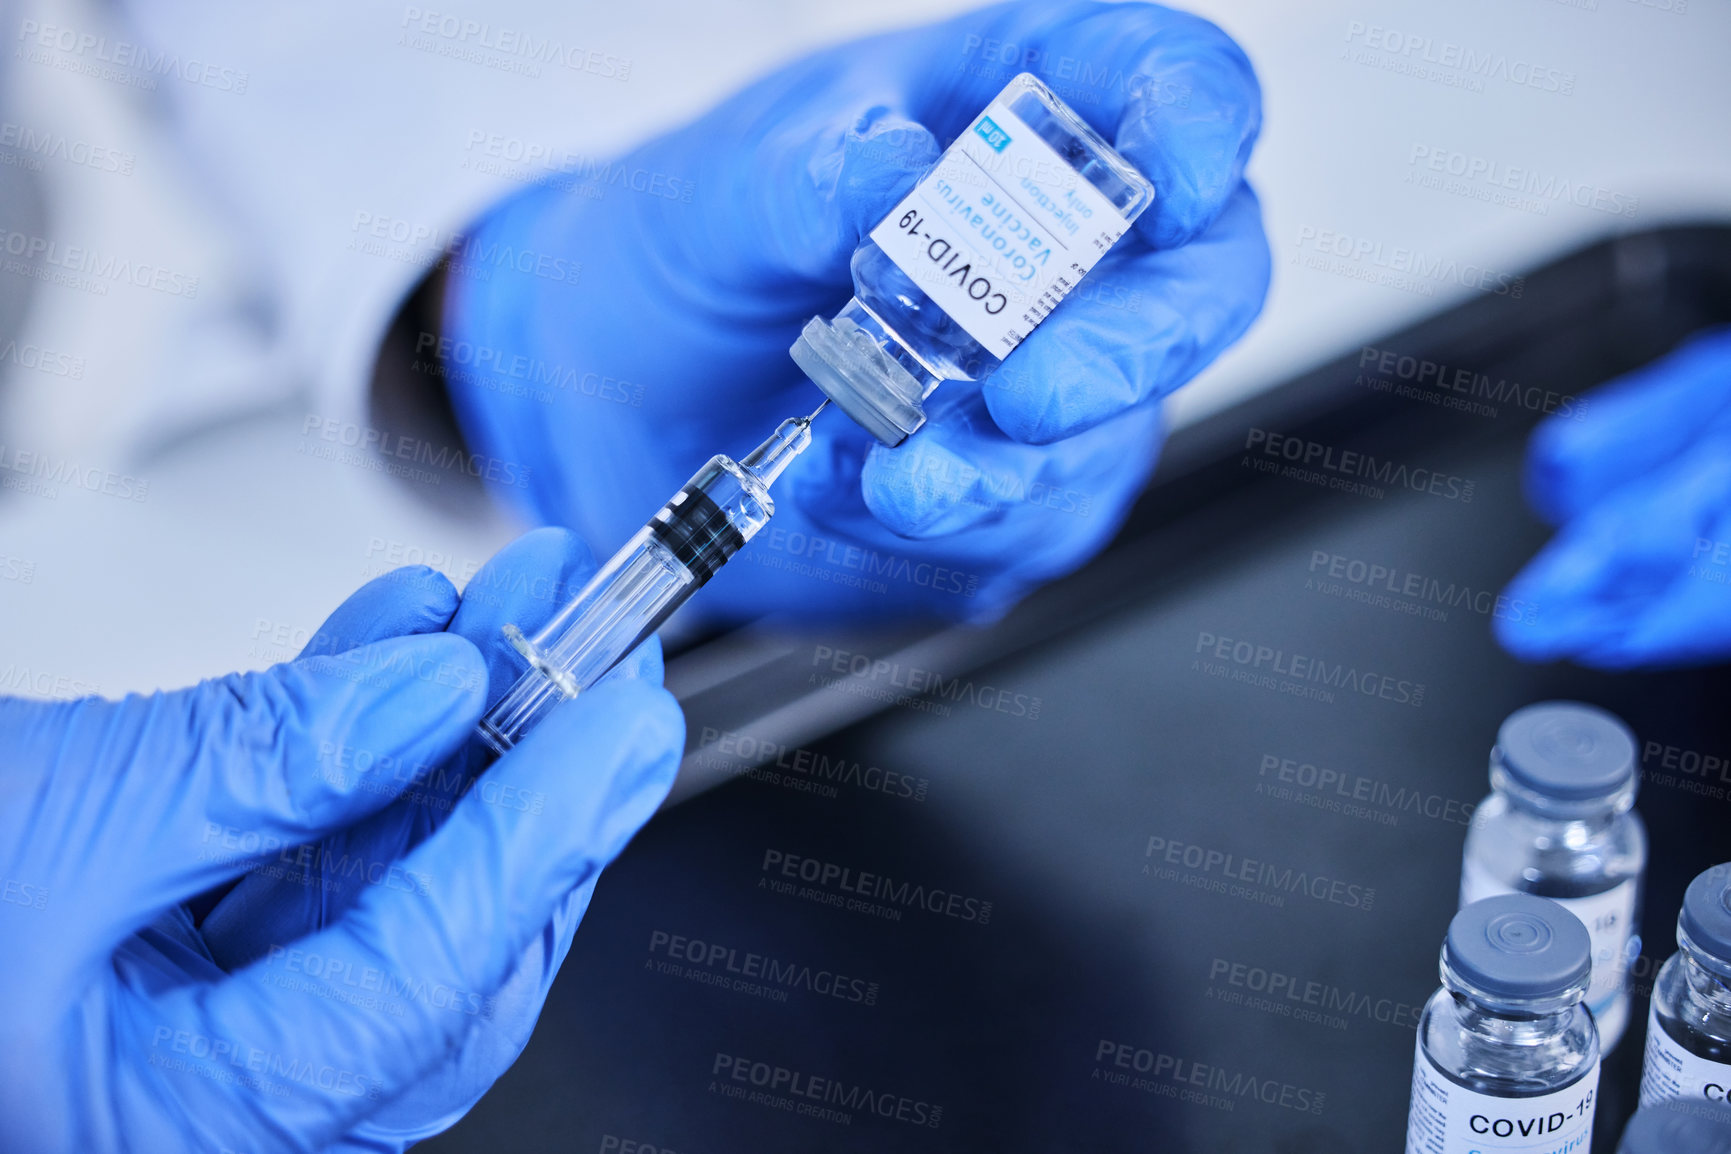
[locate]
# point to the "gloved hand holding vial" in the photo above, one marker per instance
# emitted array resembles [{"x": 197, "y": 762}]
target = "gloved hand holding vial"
[
  {"x": 981, "y": 251},
  {"x": 1024, "y": 464}
]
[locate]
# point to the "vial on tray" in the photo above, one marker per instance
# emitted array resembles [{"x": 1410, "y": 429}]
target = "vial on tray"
[
  {"x": 1012, "y": 216},
  {"x": 1560, "y": 823},
  {"x": 1689, "y": 1022},
  {"x": 1508, "y": 1058}
]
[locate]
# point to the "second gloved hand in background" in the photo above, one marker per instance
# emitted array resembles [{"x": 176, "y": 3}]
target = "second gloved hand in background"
[
  {"x": 1639, "y": 573},
  {"x": 689, "y": 267}
]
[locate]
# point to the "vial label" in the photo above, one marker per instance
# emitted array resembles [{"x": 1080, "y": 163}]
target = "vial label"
[
  {"x": 1670, "y": 1071},
  {"x": 1000, "y": 230},
  {"x": 1449, "y": 1119},
  {"x": 1610, "y": 921}
]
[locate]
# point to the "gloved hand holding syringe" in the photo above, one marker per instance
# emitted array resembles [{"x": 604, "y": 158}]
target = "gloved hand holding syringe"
[{"x": 973, "y": 258}]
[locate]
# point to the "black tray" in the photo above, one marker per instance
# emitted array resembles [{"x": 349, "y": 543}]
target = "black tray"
[{"x": 1050, "y": 749}]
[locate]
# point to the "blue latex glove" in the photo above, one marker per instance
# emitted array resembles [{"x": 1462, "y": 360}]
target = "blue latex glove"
[
  {"x": 398, "y": 972},
  {"x": 1639, "y": 573},
  {"x": 611, "y": 330}
]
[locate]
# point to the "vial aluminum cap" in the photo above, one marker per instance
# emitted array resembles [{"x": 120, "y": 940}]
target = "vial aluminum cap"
[
  {"x": 1680, "y": 1126},
  {"x": 1566, "y": 750},
  {"x": 1706, "y": 915},
  {"x": 1518, "y": 946}
]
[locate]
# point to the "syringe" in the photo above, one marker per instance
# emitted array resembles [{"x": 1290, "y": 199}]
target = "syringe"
[{"x": 715, "y": 513}]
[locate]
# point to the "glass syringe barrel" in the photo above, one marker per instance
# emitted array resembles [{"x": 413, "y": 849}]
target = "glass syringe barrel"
[{"x": 691, "y": 537}]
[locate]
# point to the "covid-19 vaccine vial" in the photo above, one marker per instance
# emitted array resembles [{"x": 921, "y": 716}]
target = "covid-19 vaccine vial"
[
  {"x": 1689, "y": 1023},
  {"x": 1508, "y": 1057},
  {"x": 1012, "y": 216},
  {"x": 1560, "y": 823},
  {"x": 1678, "y": 1127}
]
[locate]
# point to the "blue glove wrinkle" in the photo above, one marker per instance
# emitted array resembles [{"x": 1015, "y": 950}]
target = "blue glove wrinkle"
[
  {"x": 165, "y": 955},
  {"x": 414, "y": 698},
  {"x": 136, "y": 1038},
  {"x": 526, "y": 583},
  {"x": 414, "y": 599},
  {"x": 935, "y": 485},
  {"x": 1053, "y": 507}
]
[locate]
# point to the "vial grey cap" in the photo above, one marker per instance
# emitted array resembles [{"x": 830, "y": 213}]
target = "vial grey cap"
[
  {"x": 1566, "y": 750},
  {"x": 1518, "y": 946},
  {"x": 1679, "y": 1126},
  {"x": 1706, "y": 915},
  {"x": 865, "y": 382}
]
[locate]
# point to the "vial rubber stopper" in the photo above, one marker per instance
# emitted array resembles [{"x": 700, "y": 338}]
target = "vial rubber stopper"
[
  {"x": 1518, "y": 946},
  {"x": 1706, "y": 918},
  {"x": 1566, "y": 750}
]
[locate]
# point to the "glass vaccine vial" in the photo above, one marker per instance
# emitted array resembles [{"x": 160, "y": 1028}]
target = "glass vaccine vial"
[
  {"x": 1508, "y": 1057},
  {"x": 1689, "y": 1022},
  {"x": 1003, "y": 226},
  {"x": 1560, "y": 823}
]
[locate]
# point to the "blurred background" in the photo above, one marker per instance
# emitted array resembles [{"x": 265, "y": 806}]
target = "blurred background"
[
  {"x": 269, "y": 219},
  {"x": 256, "y": 191}
]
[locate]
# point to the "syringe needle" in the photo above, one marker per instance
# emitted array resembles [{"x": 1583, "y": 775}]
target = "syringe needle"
[
  {"x": 787, "y": 442},
  {"x": 817, "y": 410}
]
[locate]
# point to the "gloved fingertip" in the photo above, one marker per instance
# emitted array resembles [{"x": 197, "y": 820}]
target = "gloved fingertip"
[
  {"x": 424, "y": 583},
  {"x": 1190, "y": 131},
  {"x": 552, "y": 547},
  {"x": 1061, "y": 390},
  {"x": 1552, "y": 478},
  {"x": 1025, "y": 407},
  {"x": 1525, "y": 640},
  {"x": 882, "y": 155},
  {"x": 922, "y": 489},
  {"x": 411, "y": 599}
]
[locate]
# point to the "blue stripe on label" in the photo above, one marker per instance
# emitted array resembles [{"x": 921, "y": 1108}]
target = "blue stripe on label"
[{"x": 988, "y": 130}]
